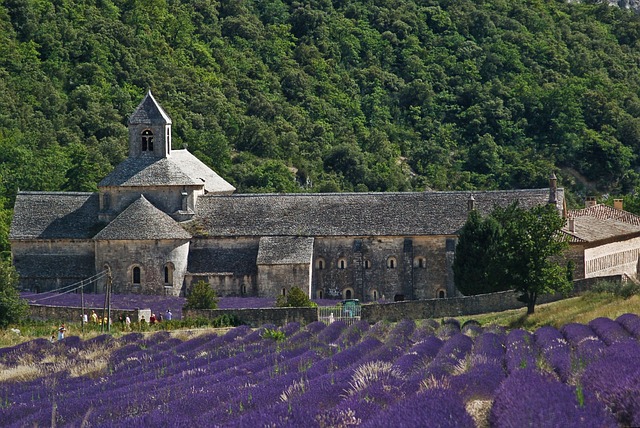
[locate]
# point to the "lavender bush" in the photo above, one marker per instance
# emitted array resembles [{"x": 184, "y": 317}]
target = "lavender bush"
[{"x": 330, "y": 376}]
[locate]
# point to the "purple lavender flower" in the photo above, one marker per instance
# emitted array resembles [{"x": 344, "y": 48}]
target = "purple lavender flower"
[
  {"x": 530, "y": 398},
  {"x": 615, "y": 379},
  {"x": 631, "y": 322},
  {"x": 608, "y": 330}
]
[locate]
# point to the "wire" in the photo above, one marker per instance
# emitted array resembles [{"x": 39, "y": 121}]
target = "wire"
[{"x": 82, "y": 283}]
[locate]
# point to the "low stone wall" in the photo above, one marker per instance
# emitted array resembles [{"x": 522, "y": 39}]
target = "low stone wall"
[
  {"x": 74, "y": 314},
  {"x": 258, "y": 317}
]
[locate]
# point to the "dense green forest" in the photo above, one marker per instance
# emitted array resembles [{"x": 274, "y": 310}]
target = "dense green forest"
[{"x": 322, "y": 95}]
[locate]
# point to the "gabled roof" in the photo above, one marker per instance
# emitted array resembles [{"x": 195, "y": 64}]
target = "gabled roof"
[
  {"x": 181, "y": 168},
  {"x": 142, "y": 221},
  {"x": 600, "y": 223},
  {"x": 351, "y": 214},
  {"x": 285, "y": 250},
  {"x": 55, "y": 215},
  {"x": 149, "y": 111}
]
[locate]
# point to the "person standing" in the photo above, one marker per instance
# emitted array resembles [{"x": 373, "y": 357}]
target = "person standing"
[
  {"x": 61, "y": 331},
  {"x": 168, "y": 315},
  {"x": 127, "y": 323},
  {"x": 94, "y": 317}
]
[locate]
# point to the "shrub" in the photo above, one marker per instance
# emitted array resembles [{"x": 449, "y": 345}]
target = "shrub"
[
  {"x": 295, "y": 298},
  {"x": 624, "y": 289},
  {"x": 201, "y": 296}
]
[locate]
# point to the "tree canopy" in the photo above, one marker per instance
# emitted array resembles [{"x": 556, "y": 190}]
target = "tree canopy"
[
  {"x": 295, "y": 298},
  {"x": 201, "y": 296},
  {"x": 512, "y": 248},
  {"x": 315, "y": 95},
  {"x": 12, "y": 307}
]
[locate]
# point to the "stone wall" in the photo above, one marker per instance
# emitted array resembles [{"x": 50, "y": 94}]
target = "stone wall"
[
  {"x": 258, "y": 317},
  {"x": 74, "y": 314}
]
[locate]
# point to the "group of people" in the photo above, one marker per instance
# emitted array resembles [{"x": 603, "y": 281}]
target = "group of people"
[
  {"x": 126, "y": 322},
  {"x": 168, "y": 316}
]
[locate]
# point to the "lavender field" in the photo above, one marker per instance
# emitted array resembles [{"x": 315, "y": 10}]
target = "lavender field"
[{"x": 403, "y": 375}]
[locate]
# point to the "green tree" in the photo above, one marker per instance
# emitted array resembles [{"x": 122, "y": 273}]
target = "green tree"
[
  {"x": 512, "y": 248},
  {"x": 295, "y": 298},
  {"x": 529, "y": 249},
  {"x": 478, "y": 241},
  {"x": 12, "y": 307},
  {"x": 201, "y": 296}
]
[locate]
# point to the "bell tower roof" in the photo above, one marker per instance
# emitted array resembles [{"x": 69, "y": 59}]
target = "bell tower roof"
[{"x": 149, "y": 112}]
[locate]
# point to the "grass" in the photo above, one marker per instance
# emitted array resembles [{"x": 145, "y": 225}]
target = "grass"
[{"x": 580, "y": 309}]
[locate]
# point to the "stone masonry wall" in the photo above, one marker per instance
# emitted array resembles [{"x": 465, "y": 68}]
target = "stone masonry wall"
[
  {"x": 74, "y": 314},
  {"x": 259, "y": 317}
]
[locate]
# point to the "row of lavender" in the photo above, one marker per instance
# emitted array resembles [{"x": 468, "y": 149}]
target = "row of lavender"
[{"x": 579, "y": 375}]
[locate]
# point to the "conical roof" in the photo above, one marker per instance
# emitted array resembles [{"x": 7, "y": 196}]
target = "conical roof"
[
  {"x": 142, "y": 221},
  {"x": 149, "y": 111}
]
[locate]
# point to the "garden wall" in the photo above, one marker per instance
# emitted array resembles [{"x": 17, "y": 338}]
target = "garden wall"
[
  {"x": 74, "y": 314},
  {"x": 258, "y": 317}
]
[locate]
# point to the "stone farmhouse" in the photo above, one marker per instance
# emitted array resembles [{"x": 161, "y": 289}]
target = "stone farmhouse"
[{"x": 162, "y": 220}]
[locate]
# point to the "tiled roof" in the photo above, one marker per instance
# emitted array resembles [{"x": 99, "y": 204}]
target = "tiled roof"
[
  {"x": 181, "y": 168},
  {"x": 142, "y": 221},
  {"x": 605, "y": 212},
  {"x": 240, "y": 261},
  {"x": 285, "y": 250},
  {"x": 601, "y": 222},
  {"x": 149, "y": 111},
  {"x": 351, "y": 214},
  {"x": 55, "y": 215}
]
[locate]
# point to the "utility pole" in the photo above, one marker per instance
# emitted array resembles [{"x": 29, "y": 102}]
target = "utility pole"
[
  {"x": 109, "y": 283},
  {"x": 82, "y": 305}
]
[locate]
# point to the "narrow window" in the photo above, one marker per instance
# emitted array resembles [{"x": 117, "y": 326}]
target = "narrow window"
[
  {"x": 391, "y": 262},
  {"x": 375, "y": 296},
  {"x": 342, "y": 264},
  {"x": 284, "y": 291},
  {"x": 136, "y": 275},
  {"x": 147, "y": 140},
  {"x": 367, "y": 264},
  {"x": 442, "y": 294},
  {"x": 320, "y": 294},
  {"x": 243, "y": 289},
  {"x": 320, "y": 264},
  {"x": 168, "y": 274}
]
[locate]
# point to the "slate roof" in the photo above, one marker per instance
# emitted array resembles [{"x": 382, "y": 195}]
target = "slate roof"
[
  {"x": 55, "y": 266},
  {"x": 55, "y": 215},
  {"x": 240, "y": 261},
  {"x": 285, "y": 250},
  {"x": 142, "y": 221},
  {"x": 601, "y": 222},
  {"x": 149, "y": 111},
  {"x": 181, "y": 168},
  {"x": 351, "y": 214}
]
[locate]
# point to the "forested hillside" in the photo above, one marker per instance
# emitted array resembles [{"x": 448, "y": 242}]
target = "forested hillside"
[{"x": 321, "y": 95}]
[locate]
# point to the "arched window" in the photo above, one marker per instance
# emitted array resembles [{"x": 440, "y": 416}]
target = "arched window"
[
  {"x": 442, "y": 294},
  {"x": 243, "y": 289},
  {"x": 320, "y": 263},
  {"x": 392, "y": 262},
  {"x": 135, "y": 274},
  {"x": 348, "y": 293},
  {"x": 342, "y": 263},
  {"x": 420, "y": 262},
  {"x": 374, "y": 295},
  {"x": 284, "y": 291},
  {"x": 367, "y": 264},
  {"x": 147, "y": 140},
  {"x": 320, "y": 294},
  {"x": 168, "y": 274}
]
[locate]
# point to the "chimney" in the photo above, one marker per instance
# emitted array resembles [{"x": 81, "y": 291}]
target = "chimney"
[
  {"x": 553, "y": 189},
  {"x": 617, "y": 204},
  {"x": 590, "y": 202},
  {"x": 572, "y": 224},
  {"x": 471, "y": 203}
]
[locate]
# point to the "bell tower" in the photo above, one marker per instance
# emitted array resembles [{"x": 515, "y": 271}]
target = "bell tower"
[{"x": 149, "y": 130}]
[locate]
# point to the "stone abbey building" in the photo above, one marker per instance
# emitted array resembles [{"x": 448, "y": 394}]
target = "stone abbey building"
[{"x": 162, "y": 220}]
